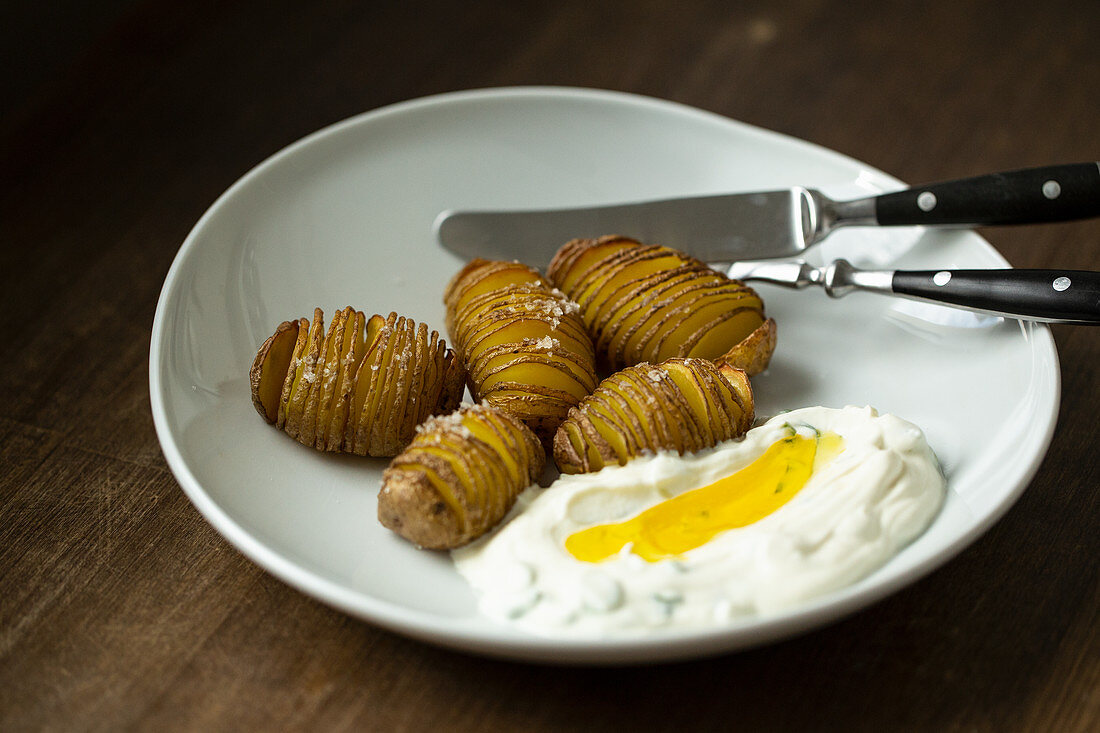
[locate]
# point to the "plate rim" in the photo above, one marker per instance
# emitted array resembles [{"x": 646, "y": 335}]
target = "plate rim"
[{"x": 510, "y": 644}]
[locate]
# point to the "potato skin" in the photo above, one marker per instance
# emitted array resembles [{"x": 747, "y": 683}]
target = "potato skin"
[
  {"x": 647, "y": 303},
  {"x": 682, "y": 405},
  {"x": 754, "y": 352},
  {"x": 459, "y": 477},
  {"x": 410, "y": 505}
]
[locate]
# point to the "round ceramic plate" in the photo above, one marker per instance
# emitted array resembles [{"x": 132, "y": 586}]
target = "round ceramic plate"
[{"x": 344, "y": 217}]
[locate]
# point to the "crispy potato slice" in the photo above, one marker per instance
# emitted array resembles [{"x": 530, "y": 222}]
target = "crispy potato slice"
[
  {"x": 270, "y": 368},
  {"x": 478, "y": 280},
  {"x": 410, "y": 410},
  {"x": 648, "y": 303},
  {"x": 683, "y": 405},
  {"x": 391, "y": 380},
  {"x": 352, "y": 351},
  {"x": 555, "y": 370},
  {"x": 755, "y": 352},
  {"x": 648, "y": 429},
  {"x": 392, "y": 411},
  {"x": 452, "y": 380},
  {"x": 698, "y": 393},
  {"x": 304, "y": 377},
  {"x": 361, "y": 387},
  {"x": 300, "y": 347},
  {"x": 382, "y": 374},
  {"x": 738, "y": 380},
  {"x": 329, "y": 374},
  {"x": 663, "y": 399},
  {"x": 378, "y": 329},
  {"x": 458, "y": 477},
  {"x": 632, "y": 337}
]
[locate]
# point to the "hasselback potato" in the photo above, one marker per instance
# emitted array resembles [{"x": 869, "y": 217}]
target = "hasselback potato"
[
  {"x": 361, "y": 387},
  {"x": 647, "y": 303},
  {"x": 522, "y": 342},
  {"x": 459, "y": 476},
  {"x": 682, "y": 405}
]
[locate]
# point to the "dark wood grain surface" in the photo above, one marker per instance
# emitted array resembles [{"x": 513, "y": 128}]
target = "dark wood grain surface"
[{"x": 120, "y": 607}]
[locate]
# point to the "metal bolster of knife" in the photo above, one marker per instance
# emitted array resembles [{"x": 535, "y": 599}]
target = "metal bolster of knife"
[
  {"x": 838, "y": 278},
  {"x": 821, "y": 214}
]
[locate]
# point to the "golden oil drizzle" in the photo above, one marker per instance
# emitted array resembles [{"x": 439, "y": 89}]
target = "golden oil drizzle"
[{"x": 693, "y": 518}]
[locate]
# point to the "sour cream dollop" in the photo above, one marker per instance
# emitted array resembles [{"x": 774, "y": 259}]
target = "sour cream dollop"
[{"x": 874, "y": 486}]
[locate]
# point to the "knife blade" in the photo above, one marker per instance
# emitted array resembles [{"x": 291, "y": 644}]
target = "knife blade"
[
  {"x": 776, "y": 223},
  {"x": 770, "y": 224}
]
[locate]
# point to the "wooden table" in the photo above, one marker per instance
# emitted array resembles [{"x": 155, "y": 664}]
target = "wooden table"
[{"x": 120, "y": 607}]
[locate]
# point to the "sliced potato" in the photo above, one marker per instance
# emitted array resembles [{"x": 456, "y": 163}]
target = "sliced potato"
[
  {"x": 270, "y": 368},
  {"x": 364, "y": 391},
  {"x": 300, "y": 346},
  {"x": 459, "y": 476},
  {"x": 361, "y": 387},
  {"x": 682, "y": 405},
  {"x": 753, "y": 353},
  {"x": 648, "y": 303},
  {"x": 522, "y": 342},
  {"x": 351, "y": 353},
  {"x": 303, "y": 377},
  {"x": 314, "y": 421}
]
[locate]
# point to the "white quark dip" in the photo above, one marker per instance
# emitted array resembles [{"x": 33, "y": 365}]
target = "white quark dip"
[{"x": 853, "y": 514}]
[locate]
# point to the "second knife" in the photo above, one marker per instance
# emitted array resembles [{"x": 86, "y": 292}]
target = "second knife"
[{"x": 1051, "y": 296}]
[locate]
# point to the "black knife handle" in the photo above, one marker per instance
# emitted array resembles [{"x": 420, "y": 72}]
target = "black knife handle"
[
  {"x": 1056, "y": 296},
  {"x": 1051, "y": 193}
]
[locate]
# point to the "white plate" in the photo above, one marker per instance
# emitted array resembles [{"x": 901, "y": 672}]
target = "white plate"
[{"x": 344, "y": 217}]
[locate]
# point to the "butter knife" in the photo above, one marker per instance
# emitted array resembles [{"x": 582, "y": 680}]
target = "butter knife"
[{"x": 783, "y": 223}]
